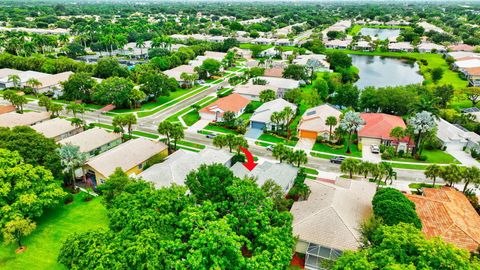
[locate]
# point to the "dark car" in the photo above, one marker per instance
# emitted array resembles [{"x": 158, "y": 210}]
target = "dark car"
[
  {"x": 337, "y": 160},
  {"x": 211, "y": 135}
]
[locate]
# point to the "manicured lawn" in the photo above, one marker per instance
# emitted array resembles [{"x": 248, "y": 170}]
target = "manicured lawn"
[
  {"x": 355, "y": 152},
  {"x": 409, "y": 166},
  {"x": 220, "y": 129},
  {"x": 320, "y": 155},
  {"x": 44, "y": 244},
  {"x": 202, "y": 103},
  {"x": 433, "y": 156},
  {"x": 356, "y": 28},
  {"x": 191, "y": 118},
  {"x": 422, "y": 185},
  {"x": 310, "y": 171},
  {"x": 434, "y": 61},
  {"x": 191, "y": 144},
  {"x": 275, "y": 139},
  {"x": 246, "y": 116}
]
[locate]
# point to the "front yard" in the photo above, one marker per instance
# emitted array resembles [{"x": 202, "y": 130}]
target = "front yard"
[
  {"x": 355, "y": 152},
  {"x": 44, "y": 244},
  {"x": 433, "y": 156},
  {"x": 271, "y": 138}
]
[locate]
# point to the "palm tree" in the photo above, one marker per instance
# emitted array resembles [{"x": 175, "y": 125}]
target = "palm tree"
[
  {"x": 71, "y": 158},
  {"x": 177, "y": 134},
  {"x": 351, "y": 123},
  {"x": 34, "y": 84},
  {"x": 77, "y": 122},
  {"x": 298, "y": 158},
  {"x": 45, "y": 101},
  {"x": 75, "y": 108},
  {"x": 219, "y": 141},
  {"x": 452, "y": 174},
  {"x": 165, "y": 128},
  {"x": 129, "y": 120},
  {"x": 276, "y": 118},
  {"x": 366, "y": 168},
  {"x": 350, "y": 166},
  {"x": 281, "y": 152},
  {"x": 15, "y": 79},
  {"x": 397, "y": 133},
  {"x": 331, "y": 121},
  {"x": 288, "y": 114},
  {"x": 432, "y": 172},
  {"x": 140, "y": 44},
  {"x": 55, "y": 109},
  {"x": 470, "y": 175}
]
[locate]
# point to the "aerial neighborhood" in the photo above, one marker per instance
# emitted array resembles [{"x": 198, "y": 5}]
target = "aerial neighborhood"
[{"x": 240, "y": 135}]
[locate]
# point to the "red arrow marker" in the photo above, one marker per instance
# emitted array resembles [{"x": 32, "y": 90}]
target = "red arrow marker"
[{"x": 250, "y": 164}]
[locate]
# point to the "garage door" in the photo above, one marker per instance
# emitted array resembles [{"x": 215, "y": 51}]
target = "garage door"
[
  {"x": 308, "y": 134},
  {"x": 369, "y": 141},
  {"x": 258, "y": 125}
]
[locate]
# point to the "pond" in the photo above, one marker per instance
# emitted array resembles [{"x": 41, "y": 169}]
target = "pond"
[
  {"x": 380, "y": 33},
  {"x": 381, "y": 71}
]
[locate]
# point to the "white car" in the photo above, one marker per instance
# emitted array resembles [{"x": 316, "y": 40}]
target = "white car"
[{"x": 375, "y": 149}]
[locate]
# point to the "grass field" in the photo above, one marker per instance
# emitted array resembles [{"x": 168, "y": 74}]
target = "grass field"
[
  {"x": 44, "y": 244},
  {"x": 355, "y": 152},
  {"x": 354, "y": 30},
  {"x": 275, "y": 139},
  {"x": 433, "y": 60},
  {"x": 433, "y": 156},
  {"x": 220, "y": 129}
]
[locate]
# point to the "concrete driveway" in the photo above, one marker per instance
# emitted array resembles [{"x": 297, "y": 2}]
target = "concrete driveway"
[
  {"x": 305, "y": 144},
  {"x": 367, "y": 155},
  {"x": 456, "y": 150},
  {"x": 253, "y": 133},
  {"x": 200, "y": 124}
]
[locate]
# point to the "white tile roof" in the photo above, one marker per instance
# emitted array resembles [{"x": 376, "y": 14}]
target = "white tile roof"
[
  {"x": 332, "y": 214},
  {"x": 400, "y": 46},
  {"x": 14, "y": 119},
  {"x": 54, "y": 127},
  {"x": 314, "y": 118},
  {"x": 126, "y": 156},
  {"x": 55, "y": 79},
  {"x": 283, "y": 174},
  {"x": 5, "y": 72},
  {"x": 468, "y": 63},
  {"x": 253, "y": 89},
  {"x": 177, "y": 71},
  {"x": 91, "y": 139},
  {"x": 281, "y": 83},
  {"x": 448, "y": 132},
  {"x": 263, "y": 113},
  {"x": 179, "y": 164}
]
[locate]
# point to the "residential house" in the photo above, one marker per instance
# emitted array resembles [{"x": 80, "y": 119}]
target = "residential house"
[
  {"x": 7, "y": 109},
  {"x": 377, "y": 128},
  {"x": 276, "y": 72},
  {"x": 270, "y": 52},
  {"x": 282, "y": 174},
  {"x": 466, "y": 64},
  {"x": 94, "y": 141},
  {"x": 24, "y": 77},
  {"x": 446, "y": 213},
  {"x": 363, "y": 46},
  {"x": 340, "y": 26},
  {"x": 461, "y": 54},
  {"x": 473, "y": 75},
  {"x": 461, "y": 48},
  {"x": 400, "y": 47},
  {"x": 232, "y": 103},
  {"x": 175, "y": 168},
  {"x": 337, "y": 44},
  {"x": 427, "y": 47},
  {"x": 328, "y": 222},
  {"x": 283, "y": 85},
  {"x": 53, "y": 84},
  {"x": 313, "y": 122},
  {"x": 57, "y": 129},
  {"x": 284, "y": 42},
  {"x": 455, "y": 136},
  {"x": 315, "y": 62},
  {"x": 430, "y": 27},
  {"x": 252, "y": 91},
  {"x": 263, "y": 41},
  {"x": 261, "y": 118},
  {"x": 131, "y": 157},
  {"x": 5, "y": 72},
  {"x": 13, "y": 119},
  {"x": 177, "y": 72},
  {"x": 243, "y": 53}
]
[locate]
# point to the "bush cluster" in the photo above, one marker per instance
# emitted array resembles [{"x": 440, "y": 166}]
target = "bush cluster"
[{"x": 393, "y": 207}]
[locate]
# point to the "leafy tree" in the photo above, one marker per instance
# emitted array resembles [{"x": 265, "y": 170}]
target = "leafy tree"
[
  {"x": 403, "y": 246},
  {"x": 339, "y": 60},
  {"x": 172, "y": 131},
  {"x": 350, "y": 123},
  {"x": 473, "y": 94},
  {"x": 437, "y": 74},
  {"x": 117, "y": 91},
  {"x": 346, "y": 95},
  {"x": 44, "y": 101},
  {"x": 398, "y": 133},
  {"x": 33, "y": 147},
  {"x": 79, "y": 86},
  {"x": 15, "y": 229},
  {"x": 157, "y": 84},
  {"x": 444, "y": 94},
  {"x": 296, "y": 72},
  {"x": 331, "y": 121},
  {"x": 55, "y": 109},
  {"x": 293, "y": 96},
  {"x": 15, "y": 99},
  {"x": 267, "y": 95},
  {"x": 350, "y": 166},
  {"x": 393, "y": 208},
  {"x": 210, "y": 182},
  {"x": 109, "y": 67},
  {"x": 27, "y": 191},
  {"x": 433, "y": 171},
  {"x": 322, "y": 88},
  {"x": 210, "y": 67},
  {"x": 114, "y": 185}
]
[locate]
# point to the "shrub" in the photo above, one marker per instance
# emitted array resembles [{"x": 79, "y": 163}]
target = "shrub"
[
  {"x": 391, "y": 194},
  {"x": 238, "y": 158},
  {"x": 401, "y": 153},
  {"x": 422, "y": 158},
  {"x": 393, "y": 207},
  {"x": 386, "y": 155},
  {"x": 68, "y": 198}
]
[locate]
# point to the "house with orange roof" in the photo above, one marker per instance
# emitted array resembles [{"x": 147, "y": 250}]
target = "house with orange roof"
[
  {"x": 447, "y": 213},
  {"x": 473, "y": 76},
  {"x": 376, "y": 130},
  {"x": 235, "y": 103},
  {"x": 461, "y": 48},
  {"x": 7, "y": 109}
]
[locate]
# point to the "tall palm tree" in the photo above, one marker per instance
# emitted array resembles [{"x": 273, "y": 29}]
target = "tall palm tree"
[
  {"x": 470, "y": 175},
  {"x": 71, "y": 158},
  {"x": 350, "y": 166},
  {"x": 281, "y": 152},
  {"x": 298, "y": 158},
  {"x": 452, "y": 174},
  {"x": 432, "y": 172},
  {"x": 397, "y": 133},
  {"x": 331, "y": 121},
  {"x": 34, "y": 84},
  {"x": 140, "y": 44},
  {"x": 15, "y": 79}
]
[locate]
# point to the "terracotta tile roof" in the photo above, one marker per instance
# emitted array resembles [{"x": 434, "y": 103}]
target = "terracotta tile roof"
[
  {"x": 461, "y": 47},
  {"x": 473, "y": 71},
  {"x": 447, "y": 213},
  {"x": 379, "y": 125},
  {"x": 7, "y": 109},
  {"x": 231, "y": 103},
  {"x": 273, "y": 72}
]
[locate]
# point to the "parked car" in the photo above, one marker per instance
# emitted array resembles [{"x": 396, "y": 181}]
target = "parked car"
[
  {"x": 375, "y": 149},
  {"x": 211, "y": 136},
  {"x": 337, "y": 160},
  {"x": 269, "y": 148}
]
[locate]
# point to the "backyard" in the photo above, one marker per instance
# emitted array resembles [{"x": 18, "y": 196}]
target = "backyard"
[{"x": 44, "y": 244}]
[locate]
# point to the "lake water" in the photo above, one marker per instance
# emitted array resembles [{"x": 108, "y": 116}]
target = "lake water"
[
  {"x": 380, "y": 33},
  {"x": 385, "y": 71}
]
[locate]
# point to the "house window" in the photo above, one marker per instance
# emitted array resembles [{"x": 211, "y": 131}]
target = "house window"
[{"x": 317, "y": 256}]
